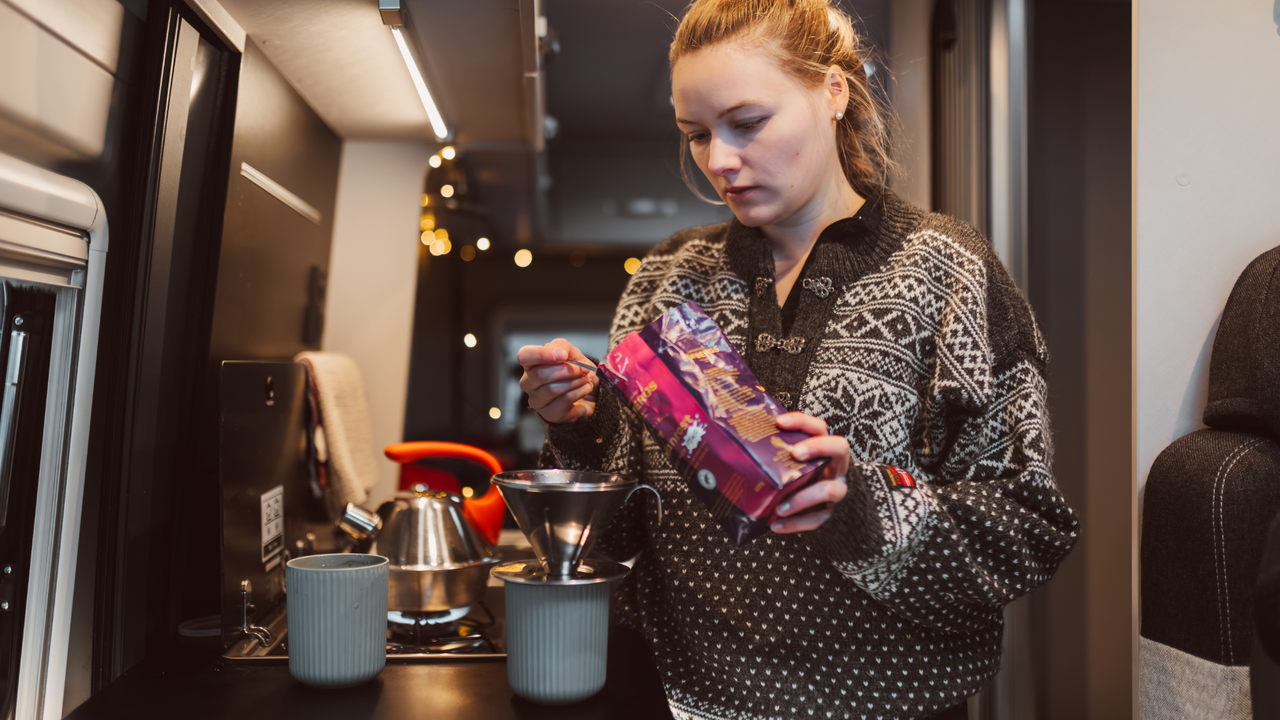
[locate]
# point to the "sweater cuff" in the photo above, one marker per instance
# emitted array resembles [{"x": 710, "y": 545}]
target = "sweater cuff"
[
  {"x": 849, "y": 535},
  {"x": 878, "y": 519},
  {"x": 582, "y": 445}
]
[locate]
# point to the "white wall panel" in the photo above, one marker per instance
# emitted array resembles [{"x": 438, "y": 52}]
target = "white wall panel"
[
  {"x": 1206, "y": 191},
  {"x": 92, "y": 26},
  {"x": 50, "y": 92},
  {"x": 909, "y": 62},
  {"x": 373, "y": 272}
]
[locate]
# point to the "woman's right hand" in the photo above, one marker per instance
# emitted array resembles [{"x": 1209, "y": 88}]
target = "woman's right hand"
[{"x": 559, "y": 392}]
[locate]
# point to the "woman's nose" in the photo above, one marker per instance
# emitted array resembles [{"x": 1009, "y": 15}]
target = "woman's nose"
[{"x": 722, "y": 157}]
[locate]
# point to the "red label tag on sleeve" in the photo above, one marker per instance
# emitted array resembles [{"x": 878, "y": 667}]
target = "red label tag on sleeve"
[{"x": 898, "y": 478}]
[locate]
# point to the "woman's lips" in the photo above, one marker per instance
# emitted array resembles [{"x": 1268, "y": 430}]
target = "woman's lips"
[{"x": 739, "y": 192}]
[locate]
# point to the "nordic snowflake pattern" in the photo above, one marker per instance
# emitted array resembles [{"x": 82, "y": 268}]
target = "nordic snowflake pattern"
[{"x": 894, "y": 608}]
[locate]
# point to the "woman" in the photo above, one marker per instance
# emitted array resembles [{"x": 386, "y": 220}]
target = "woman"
[{"x": 895, "y": 337}]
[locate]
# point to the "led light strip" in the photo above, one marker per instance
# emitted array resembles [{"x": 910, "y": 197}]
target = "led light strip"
[
  {"x": 280, "y": 192},
  {"x": 433, "y": 113}
]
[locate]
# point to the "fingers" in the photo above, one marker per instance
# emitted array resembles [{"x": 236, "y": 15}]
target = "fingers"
[
  {"x": 565, "y": 406},
  {"x": 559, "y": 392},
  {"x": 581, "y": 409},
  {"x": 825, "y": 446},
  {"x": 553, "y": 354},
  {"x": 802, "y": 423},
  {"x": 820, "y": 446},
  {"x": 543, "y": 395},
  {"x": 540, "y": 375},
  {"x": 802, "y": 523},
  {"x": 545, "y": 364},
  {"x": 571, "y": 352},
  {"x": 531, "y": 355},
  {"x": 810, "y": 508},
  {"x": 820, "y": 494}
]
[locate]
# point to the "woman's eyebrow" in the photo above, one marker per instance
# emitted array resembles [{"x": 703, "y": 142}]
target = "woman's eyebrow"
[{"x": 726, "y": 111}]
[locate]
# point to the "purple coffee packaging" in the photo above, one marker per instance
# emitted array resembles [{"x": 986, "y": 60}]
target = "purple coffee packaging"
[{"x": 699, "y": 399}]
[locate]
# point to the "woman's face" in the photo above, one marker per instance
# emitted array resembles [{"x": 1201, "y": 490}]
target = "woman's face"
[{"x": 764, "y": 140}]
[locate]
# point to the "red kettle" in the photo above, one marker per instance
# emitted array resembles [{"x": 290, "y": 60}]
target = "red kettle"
[{"x": 485, "y": 512}]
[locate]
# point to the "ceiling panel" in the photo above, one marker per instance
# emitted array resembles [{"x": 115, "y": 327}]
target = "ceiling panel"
[
  {"x": 611, "y": 80},
  {"x": 343, "y": 60},
  {"x": 472, "y": 52}
]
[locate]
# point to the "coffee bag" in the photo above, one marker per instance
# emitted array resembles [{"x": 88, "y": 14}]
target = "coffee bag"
[{"x": 699, "y": 399}]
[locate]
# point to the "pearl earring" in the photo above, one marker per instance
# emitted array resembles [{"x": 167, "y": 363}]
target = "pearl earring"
[{"x": 839, "y": 115}]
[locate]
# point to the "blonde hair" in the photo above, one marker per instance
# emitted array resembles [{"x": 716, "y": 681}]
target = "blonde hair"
[{"x": 808, "y": 37}]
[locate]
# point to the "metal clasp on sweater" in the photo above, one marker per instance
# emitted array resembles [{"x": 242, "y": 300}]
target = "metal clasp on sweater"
[
  {"x": 822, "y": 287},
  {"x": 766, "y": 342}
]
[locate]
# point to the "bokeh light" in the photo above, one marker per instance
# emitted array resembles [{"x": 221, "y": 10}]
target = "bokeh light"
[
  {"x": 446, "y": 191},
  {"x": 448, "y": 153},
  {"x": 434, "y": 161},
  {"x": 483, "y": 243},
  {"x": 495, "y": 413},
  {"x": 523, "y": 258},
  {"x": 469, "y": 340},
  {"x": 632, "y": 265}
]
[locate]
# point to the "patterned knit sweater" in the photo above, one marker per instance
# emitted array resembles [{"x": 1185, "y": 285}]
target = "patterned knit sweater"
[{"x": 919, "y": 349}]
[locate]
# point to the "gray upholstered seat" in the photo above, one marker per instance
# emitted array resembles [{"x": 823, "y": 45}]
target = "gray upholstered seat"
[{"x": 1210, "y": 498}]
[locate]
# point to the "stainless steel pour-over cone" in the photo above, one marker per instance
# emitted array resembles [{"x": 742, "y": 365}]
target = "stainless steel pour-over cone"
[
  {"x": 563, "y": 511},
  {"x": 558, "y": 608}
]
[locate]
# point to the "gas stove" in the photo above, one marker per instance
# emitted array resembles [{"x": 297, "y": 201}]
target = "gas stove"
[
  {"x": 477, "y": 632},
  {"x": 474, "y": 631}
]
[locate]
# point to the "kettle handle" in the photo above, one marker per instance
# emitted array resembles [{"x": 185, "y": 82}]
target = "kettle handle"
[{"x": 485, "y": 513}]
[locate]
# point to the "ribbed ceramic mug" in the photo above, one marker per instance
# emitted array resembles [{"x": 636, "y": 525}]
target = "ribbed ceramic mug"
[
  {"x": 337, "y": 612},
  {"x": 557, "y": 640}
]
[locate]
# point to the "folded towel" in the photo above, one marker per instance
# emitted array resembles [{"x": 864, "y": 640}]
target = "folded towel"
[{"x": 344, "y": 418}]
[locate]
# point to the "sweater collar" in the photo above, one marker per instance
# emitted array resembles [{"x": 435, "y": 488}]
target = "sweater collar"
[{"x": 845, "y": 251}]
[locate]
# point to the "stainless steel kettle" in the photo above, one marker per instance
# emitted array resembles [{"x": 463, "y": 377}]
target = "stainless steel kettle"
[
  {"x": 440, "y": 545},
  {"x": 438, "y": 560}
]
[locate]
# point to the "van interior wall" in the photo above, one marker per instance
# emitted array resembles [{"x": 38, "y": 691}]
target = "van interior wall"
[
  {"x": 1080, "y": 280},
  {"x": 264, "y": 269},
  {"x": 373, "y": 278},
  {"x": 908, "y": 57}
]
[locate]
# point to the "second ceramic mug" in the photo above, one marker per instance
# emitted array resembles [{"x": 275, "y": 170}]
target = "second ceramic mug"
[{"x": 337, "y": 613}]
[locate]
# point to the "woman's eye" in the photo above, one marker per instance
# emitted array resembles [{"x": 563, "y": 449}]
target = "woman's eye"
[
  {"x": 697, "y": 138},
  {"x": 749, "y": 126}
]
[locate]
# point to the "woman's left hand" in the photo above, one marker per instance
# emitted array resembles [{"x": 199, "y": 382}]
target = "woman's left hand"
[{"x": 809, "y": 508}]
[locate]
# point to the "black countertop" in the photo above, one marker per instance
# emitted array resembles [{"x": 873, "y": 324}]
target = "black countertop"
[{"x": 199, "y": 684}]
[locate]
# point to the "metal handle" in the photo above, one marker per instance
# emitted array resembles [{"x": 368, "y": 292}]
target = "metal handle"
[
  {"x": 655, "y": 495},
  {"x": 14, "y": 373},
  {"x": 246, "y": 614}
]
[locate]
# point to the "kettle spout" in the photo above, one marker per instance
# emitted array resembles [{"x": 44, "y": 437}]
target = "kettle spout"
[
  {"x": 485, "y": 514},
  {"x": 361, "y": 525}
]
